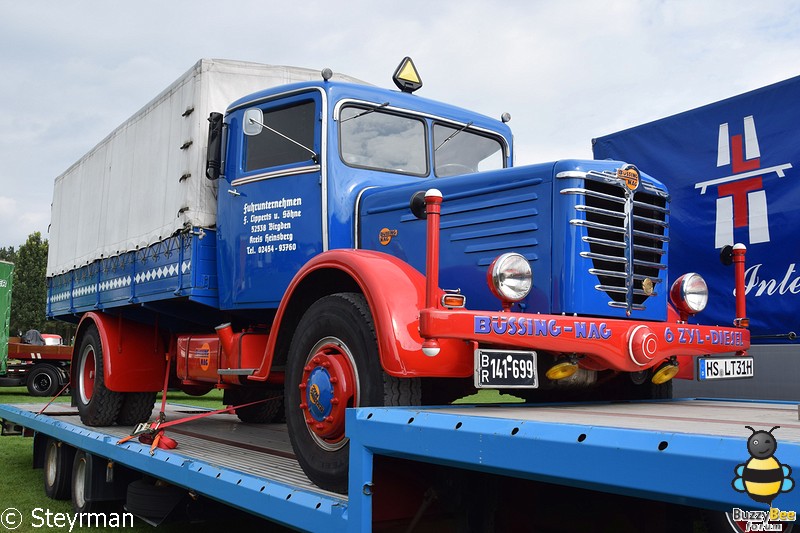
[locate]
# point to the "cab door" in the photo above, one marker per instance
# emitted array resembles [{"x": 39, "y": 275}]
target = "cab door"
[{"x": 270, "y": 207}]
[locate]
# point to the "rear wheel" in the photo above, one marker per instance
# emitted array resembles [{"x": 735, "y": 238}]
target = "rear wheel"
[
  {"x": 136, "y": 408},
  {"x": 97, "y": 405},
  {"x": 43, "y": 381},
  {"x": 334, "y": 364},
  {"x": 260, "y": 413}
]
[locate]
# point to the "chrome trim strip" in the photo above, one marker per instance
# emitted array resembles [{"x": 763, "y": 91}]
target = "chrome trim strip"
[
  {"x": 596, "y": 225},
  {"x": 356, "y": 218},
  {"x": 599, "y": 211},
  {"x": 608, "y": 258},
  {"x": 603, "y": 242},
  {"x": 622, "y": 305},
  {"x": 275, "y": 174},
  {"x": 587, "y": 192}
]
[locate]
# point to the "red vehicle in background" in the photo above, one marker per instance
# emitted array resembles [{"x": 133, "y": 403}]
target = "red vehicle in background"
[{"x": 39, "y": 361}]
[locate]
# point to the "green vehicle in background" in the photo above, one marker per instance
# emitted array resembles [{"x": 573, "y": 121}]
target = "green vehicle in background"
[{"x": 38, "y": 361}]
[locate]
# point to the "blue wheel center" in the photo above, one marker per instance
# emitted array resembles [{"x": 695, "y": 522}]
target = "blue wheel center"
[{"x": 319, "y": 394}]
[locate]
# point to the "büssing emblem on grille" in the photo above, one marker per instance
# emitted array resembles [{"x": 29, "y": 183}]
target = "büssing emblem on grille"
[
  {"x": 648, "y": 286},
  {"x": 630, "y": 175}
]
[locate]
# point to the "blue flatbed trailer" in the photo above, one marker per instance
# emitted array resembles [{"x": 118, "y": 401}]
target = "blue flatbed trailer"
[{"x": 681, "y": 452}]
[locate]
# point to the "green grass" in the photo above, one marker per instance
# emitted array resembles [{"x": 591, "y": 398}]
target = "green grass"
[{"x": 489, "y": 396}]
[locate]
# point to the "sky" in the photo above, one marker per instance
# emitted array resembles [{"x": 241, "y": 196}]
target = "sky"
[{"x": 567, "y": 71}]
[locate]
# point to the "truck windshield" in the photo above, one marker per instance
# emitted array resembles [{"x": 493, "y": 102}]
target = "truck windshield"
[
  {"x": 383, "y": 141},
  {"x": 461, "y": 151}
]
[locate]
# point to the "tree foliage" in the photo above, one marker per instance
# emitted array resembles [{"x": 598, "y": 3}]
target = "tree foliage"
[
  {"x": 29, "y": 292},
  {"x": 8, "y": 254}
]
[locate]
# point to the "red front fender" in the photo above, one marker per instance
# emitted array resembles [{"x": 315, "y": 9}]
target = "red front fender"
[{"x": 395, "y": 292}]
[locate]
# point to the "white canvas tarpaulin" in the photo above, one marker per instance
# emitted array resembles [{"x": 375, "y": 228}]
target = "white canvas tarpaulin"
[{"x": 146, "y": 180}]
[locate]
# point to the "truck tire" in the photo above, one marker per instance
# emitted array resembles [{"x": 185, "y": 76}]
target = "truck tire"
[
  {"x": 97, "y": 405},
  {"x": 58, "y": 459},
  {"x": 260, "y": 413},
  {"x": 153, "y": 501},
  {"x": 80, "y": 485},
  {"x": 43, "y": 380},
  {"x": 136, "y": 408},
  {"x": 334, "y": 364}
]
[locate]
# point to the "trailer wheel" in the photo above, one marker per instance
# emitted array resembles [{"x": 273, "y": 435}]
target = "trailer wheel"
[
  {"x": 334, "y": 364},
  {"x": 43, "y": 380},
  {"x": 58, "y": 469},
  {"x": 97, "y": 405},
  {"x": 153, "y": 501},
  {"x": 80, "y": 485},
  {"x": 136, "y": 408}
]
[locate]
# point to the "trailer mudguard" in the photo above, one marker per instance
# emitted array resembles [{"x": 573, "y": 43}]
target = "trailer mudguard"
[
  {"x": 395, "y": 292},
  {"x": 134, "y": 358}
]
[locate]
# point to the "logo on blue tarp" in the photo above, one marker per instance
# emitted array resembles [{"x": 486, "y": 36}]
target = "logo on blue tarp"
[{"x": 742, "y": 200}]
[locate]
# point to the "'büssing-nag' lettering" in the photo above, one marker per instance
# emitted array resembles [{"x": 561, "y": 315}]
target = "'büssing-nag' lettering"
[{"x": 538, "y": 327}]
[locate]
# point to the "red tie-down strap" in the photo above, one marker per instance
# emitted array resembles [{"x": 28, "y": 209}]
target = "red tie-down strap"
[{"x": 153, "y": 432}]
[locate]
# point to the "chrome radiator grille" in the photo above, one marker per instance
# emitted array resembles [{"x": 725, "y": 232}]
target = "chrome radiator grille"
[{"x": 626, "y": 232}]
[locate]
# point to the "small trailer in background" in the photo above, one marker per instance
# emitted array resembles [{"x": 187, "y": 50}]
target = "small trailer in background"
[
  {"x": 38, "y": 361},
  {"x": 42, "y": 368}
]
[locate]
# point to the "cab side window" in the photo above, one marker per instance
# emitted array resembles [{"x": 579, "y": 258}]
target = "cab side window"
[{"x": 269, "y": 149}]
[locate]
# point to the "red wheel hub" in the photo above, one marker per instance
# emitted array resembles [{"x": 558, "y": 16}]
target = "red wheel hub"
[{"x": 328, "y": 387}]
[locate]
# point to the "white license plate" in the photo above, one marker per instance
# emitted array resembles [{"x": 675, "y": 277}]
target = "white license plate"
[
  {"x": 505, "y": 369},
  {"x": 724, "y": 368}
]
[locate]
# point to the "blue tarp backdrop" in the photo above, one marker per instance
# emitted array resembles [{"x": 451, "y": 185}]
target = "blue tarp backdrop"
[{"x": 733, "y": 172}]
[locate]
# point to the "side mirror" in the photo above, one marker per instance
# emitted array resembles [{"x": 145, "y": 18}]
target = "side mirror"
[
  {"x": 417, "y": 205},
  {"x": 253, "y": 121},
  {"x": 726, "y": 255},
  {"x": 214, "y": 151}
]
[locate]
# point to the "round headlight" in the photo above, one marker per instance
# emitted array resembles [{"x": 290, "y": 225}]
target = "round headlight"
[
  {"x": 510, "y": 277},
  {"x": 689, "y": 293}
]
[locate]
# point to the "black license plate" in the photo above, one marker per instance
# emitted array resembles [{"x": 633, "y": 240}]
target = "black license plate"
[{"x": 504, "y": 369}]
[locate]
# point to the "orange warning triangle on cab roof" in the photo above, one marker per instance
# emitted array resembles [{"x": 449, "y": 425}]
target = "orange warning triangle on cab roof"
[{"x": 406, "y": 76}]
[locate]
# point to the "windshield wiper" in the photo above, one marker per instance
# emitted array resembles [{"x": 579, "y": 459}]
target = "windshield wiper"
[
  {"x": 314, "y": 155},
  {"x": 467, "y": 125},
  {"x": 368, "y": 111}
]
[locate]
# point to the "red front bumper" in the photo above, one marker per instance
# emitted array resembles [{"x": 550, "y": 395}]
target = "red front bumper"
[{"x": 605, "y": 344}]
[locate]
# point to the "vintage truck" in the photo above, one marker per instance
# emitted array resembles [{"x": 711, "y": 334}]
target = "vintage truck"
[{"x": 327, "y": 244}]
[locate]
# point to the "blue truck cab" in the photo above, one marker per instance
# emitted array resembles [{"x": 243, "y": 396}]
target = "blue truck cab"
[{"x": 301, "y": 161}]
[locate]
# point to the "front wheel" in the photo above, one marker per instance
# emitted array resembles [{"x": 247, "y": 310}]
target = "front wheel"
[{"x": 334, "y": 364}]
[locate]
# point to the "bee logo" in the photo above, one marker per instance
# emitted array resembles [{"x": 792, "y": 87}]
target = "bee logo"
[{"x": 762, "y": 477}]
